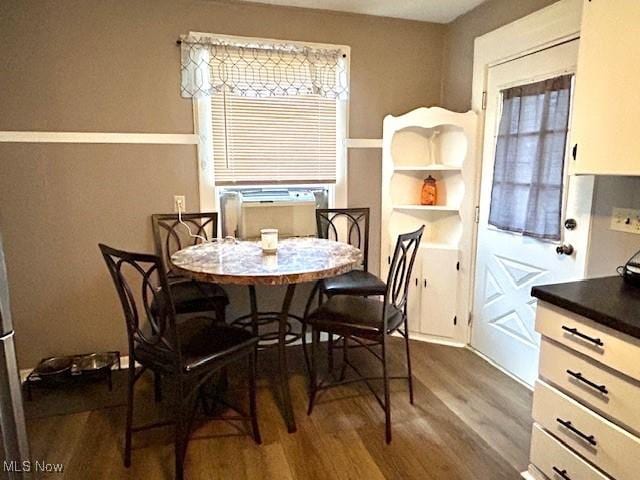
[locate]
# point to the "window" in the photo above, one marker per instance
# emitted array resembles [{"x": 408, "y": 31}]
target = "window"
[
  {"x": 528, "y": 174},
  {"x": 267, "y": 113},
  {"x": 273, "y": 140}
]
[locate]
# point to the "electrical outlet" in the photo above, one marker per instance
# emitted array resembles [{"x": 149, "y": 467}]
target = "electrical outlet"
[
  {"x": 179, "y": 203},
  {"x": 625, "y": 220}
]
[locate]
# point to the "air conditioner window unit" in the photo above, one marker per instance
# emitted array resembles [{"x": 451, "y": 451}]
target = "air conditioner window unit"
[{"x": 246, "y": 211}]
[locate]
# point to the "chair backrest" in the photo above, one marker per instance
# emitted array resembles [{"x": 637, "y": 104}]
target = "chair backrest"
[
  {"x": 149, "y": 312},
  {"x": 348, "y": 225},
  {"x": 399, "y": 276},
  {"x": 169, "y": 235}
]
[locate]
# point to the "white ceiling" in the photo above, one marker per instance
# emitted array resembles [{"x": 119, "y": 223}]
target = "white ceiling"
[{"x": 439, "y": 11}]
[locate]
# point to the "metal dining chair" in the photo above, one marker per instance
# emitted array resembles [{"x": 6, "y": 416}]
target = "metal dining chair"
[
  {"x": 368, "y": 322},
  {"x": 187, "y": 354},
  {"x": 349, "y": 225},
  {"x": 171, "y": 235}
]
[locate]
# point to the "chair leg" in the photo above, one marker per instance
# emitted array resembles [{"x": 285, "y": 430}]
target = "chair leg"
[
  {"x": 129, "y": 422},
  {"x": 180, "y": 431},
  {"x": 410, "y": 376},
  {"x": 157, "y": 387},
  {"x": 252, "y": 397},
  {"x": 330, "y": 353},
  {"x": 345, "y": 357},
  {"x": 223, "y": 382},
  {"x": 221, "y": 315},
  {"x": 305, "y": 348},
  {"x": 314, "y": 369},
  {"x": 387, "y": 399}
]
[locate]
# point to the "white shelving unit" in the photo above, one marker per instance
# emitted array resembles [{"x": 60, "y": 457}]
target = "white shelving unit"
[
  {"x": 428, "y": 168},
  {"x": 440, "y": 143}
]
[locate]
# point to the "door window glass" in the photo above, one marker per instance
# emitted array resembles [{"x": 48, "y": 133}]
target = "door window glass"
[{"x": 526, "y": 196}]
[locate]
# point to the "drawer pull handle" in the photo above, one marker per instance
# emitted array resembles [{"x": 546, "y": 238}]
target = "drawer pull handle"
[
  {"x": 561, "y": 473},
  {"x": 578, "y": 376},
  {"x": 574, "y": 331},
  {"x": 569, "y": 426}
]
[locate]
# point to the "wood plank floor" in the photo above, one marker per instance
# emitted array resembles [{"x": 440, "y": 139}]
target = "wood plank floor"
[{"x": 469, "y": 421}]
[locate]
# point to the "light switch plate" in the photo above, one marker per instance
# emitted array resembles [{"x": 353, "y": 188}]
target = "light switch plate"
[{"x": 625, "y": 220}]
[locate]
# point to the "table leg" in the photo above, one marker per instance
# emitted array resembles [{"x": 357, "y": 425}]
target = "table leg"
[
  {"x": 282, "y": 359},
  {"x": 283, "y": 370}
]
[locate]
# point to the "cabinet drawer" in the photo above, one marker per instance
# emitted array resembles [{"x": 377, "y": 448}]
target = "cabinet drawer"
[
  {"x": 607, "y": 446},
  {"x": 618, "y": 398},
  {"x": 551, "y": 457},
  {"x": 616, "y": 350}
]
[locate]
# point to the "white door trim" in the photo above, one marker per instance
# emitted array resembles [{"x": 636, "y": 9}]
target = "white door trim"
[{"x": 553, "y": 25}]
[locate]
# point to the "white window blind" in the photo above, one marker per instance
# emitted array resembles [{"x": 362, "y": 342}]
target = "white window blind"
[{"x": 278, "y": 139}]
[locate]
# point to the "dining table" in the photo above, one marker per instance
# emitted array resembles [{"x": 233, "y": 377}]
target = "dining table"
[{"x": 296, "y": 260}]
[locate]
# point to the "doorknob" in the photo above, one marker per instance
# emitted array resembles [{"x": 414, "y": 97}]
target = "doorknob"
[{"x": 566, "y": 249}]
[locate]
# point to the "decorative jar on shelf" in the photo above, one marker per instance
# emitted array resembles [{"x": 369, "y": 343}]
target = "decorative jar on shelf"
[{"x": 429, "y": 194}]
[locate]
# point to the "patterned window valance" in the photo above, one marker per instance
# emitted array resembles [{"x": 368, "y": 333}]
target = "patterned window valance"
[{"x": 211, "y": 65}]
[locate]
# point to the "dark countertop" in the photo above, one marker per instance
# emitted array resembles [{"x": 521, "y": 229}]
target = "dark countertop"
[{"x": 608, "y": 301}]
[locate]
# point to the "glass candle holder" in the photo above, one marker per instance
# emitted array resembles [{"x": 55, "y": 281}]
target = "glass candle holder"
[{"x": 269, "y": 240}]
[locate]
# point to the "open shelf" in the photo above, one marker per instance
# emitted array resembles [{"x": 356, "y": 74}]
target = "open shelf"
[
  {"x": 428, "y": 168},
  {"x": 442, "y": 227},
  {"x": 442, "y": 145},
  {"x": 405, "y": 187},
  {"x": 438, "y": 208}
]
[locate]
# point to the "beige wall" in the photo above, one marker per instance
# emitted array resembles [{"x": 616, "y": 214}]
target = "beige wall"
[
  {"x": 608, "y": 248},
  {"x": 457, "y": 71},
  {"x": 113, "y": 66}
]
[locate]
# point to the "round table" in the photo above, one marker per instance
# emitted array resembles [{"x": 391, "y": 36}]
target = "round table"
[{"x": 298, "y": 260}]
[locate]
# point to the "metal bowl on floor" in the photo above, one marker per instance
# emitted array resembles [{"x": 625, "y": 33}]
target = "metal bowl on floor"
[
  {"x": 54, "y": 366},
  {"x": 95, "y": 361}
]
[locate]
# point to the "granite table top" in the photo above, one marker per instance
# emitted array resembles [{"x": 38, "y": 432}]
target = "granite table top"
[{"x": 297, "y": 260}]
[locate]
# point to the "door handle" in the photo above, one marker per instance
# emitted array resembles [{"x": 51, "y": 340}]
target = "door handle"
[{"x": 565, "y": 249}]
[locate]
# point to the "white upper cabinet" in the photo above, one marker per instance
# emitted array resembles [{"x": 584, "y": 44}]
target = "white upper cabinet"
[{"x": 606, "y": 118}]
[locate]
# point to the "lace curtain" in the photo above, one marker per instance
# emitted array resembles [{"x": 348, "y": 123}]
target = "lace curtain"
[
  {"x": 211, "y": 65},
  {"x": 529, "y": 161}
]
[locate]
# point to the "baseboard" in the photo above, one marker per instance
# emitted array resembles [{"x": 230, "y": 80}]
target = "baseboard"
[
  {"x": 421, "y": 337},
  {"x": 495, "y": 365}
]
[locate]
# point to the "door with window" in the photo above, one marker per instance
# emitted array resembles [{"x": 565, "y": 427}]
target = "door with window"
[{"x": 526, "y": 200}]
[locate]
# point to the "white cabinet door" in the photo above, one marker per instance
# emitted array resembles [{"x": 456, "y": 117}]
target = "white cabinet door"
[
  {"x": 415, "y": 293},
  {"x": 439, "y": 291},
  {"x": 607, "y": 102}
]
